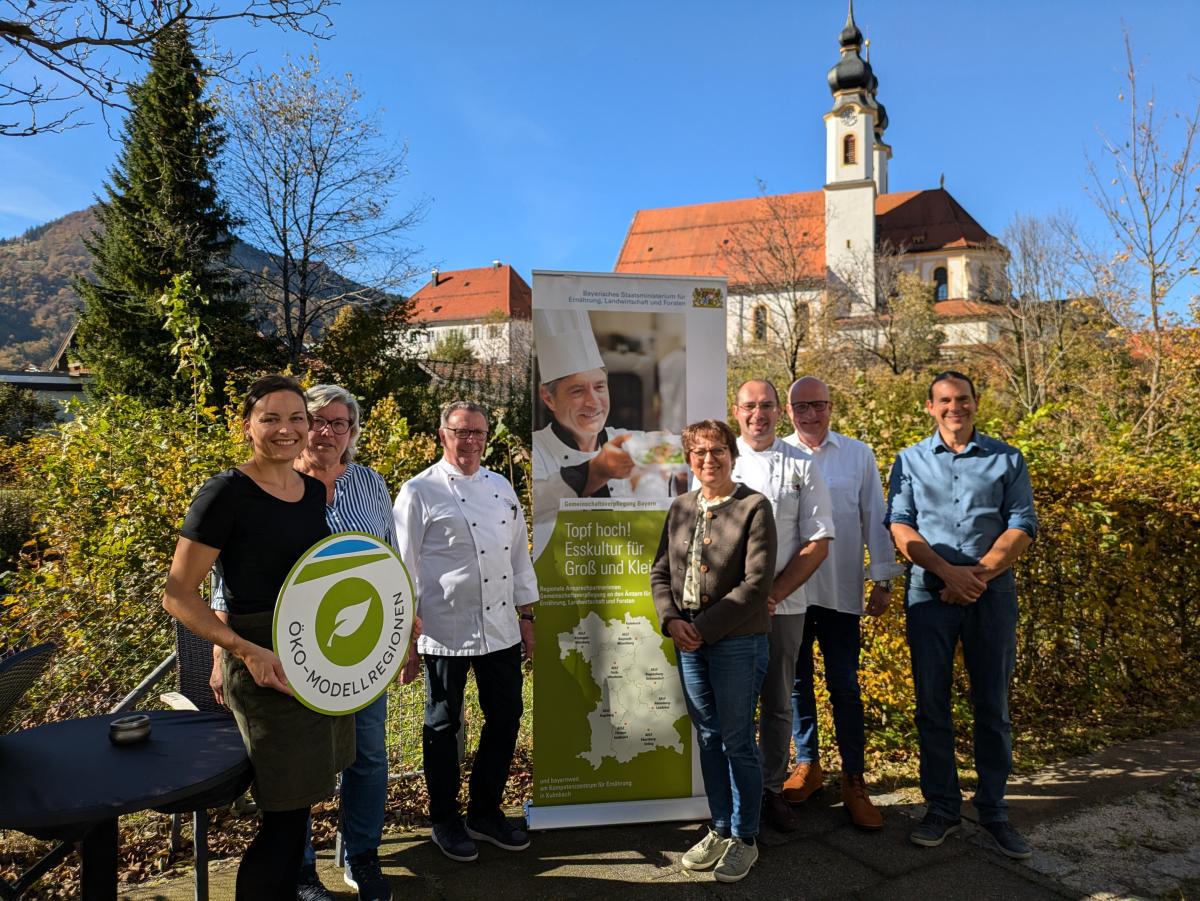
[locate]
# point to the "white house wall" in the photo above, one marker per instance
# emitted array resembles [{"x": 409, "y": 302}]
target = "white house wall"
[{"x": 489, "y": 340}]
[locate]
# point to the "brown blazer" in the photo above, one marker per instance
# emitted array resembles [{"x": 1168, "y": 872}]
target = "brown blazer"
[{"x": 737, "y": 565}]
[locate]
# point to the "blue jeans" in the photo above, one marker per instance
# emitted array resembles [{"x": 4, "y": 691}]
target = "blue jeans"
[
  {"x": 721, "y": 683},
  {"x": 838, "y": 635},
  {"x": 364, "y": 784},
  {"x": 988, "y": 632}
]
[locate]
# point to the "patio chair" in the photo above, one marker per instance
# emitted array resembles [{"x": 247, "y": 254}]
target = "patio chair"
[{"x": 18, "y": 672}]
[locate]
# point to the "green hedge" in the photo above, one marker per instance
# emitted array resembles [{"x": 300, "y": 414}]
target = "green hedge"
[{"x": 1109, "y": 623}]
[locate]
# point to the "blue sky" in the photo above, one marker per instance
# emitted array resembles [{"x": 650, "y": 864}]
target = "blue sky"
[{"x": 536, "y": 131}]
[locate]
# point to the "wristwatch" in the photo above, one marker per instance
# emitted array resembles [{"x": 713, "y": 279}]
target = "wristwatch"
[
  {"x": 527, "y": 617},
  {"x": 885, "y": 584}
]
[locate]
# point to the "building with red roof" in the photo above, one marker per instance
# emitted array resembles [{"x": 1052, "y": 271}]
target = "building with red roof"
[
  {"x": 489, "y": 307},
  {"x": 787, "y": 252}
]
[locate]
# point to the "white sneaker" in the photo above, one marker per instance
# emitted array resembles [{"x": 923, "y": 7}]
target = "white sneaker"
[
  {"x": 737, "y": 861},
  {"x": 706, "y": 852}
]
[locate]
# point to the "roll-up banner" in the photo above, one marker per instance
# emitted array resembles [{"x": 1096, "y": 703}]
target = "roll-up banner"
[{"x": 622, "y": 364}]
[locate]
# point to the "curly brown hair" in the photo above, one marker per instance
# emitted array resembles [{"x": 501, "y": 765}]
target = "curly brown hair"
[{"x": 713, "y": 430}]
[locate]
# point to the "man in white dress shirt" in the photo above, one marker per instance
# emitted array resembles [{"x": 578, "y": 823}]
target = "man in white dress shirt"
[
  {"x": 462, "y": 536},
  {"x": 804, "y": 523},
  {"x": 835, "y": 600}
]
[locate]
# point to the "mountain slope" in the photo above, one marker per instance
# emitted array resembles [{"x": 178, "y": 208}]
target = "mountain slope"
[{"x": 37, "y": 304}]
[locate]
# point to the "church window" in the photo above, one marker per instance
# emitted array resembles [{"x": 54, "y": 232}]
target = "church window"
[
  {"x": 760, "y": 323},
  {"x": 940, "y": 290},
  {"x": 849, "y": 150}
]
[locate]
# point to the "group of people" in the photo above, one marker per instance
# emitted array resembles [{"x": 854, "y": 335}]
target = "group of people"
[
  {"x": 762, "y": 560},
  {"x": 766, "y": 558},
  {"x": 459, "y": 529}
]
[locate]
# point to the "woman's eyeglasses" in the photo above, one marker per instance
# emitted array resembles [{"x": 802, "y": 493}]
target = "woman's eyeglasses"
[{"x": 337, "y": 426}]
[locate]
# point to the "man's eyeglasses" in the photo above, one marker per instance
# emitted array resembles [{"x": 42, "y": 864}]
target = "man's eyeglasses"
[
  {"x": 717, "y": 453},
  {"x": 766, "y": 406},
  {"x": 817, "y": 406},
  {"x": 337, "y": 426},
  {"x": 464, "y": 434}
]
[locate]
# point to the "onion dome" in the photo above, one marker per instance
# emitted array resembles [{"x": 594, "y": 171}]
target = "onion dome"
[
  {"x": 881, "y": 119},
  {"x": 852, "y": 72},
  {"x": 850, "y": 35}
]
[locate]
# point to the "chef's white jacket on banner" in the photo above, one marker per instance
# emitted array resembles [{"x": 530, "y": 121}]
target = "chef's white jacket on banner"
[{"x": 550, "y": 456}]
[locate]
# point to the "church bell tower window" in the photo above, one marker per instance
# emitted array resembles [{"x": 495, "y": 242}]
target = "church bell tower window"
[{"x": 849, "y": 150}]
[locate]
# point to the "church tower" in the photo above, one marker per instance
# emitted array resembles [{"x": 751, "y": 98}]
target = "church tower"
[{"x": 855, "y": 173}]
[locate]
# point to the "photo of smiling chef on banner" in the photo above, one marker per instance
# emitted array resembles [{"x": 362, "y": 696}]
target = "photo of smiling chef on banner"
[{"x": 577, "y": 454}]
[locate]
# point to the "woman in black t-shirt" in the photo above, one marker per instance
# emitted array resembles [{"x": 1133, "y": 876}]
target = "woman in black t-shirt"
[{"x": 253, "y": 523}]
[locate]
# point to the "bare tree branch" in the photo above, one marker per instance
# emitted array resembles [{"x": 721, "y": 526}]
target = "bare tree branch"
[
  {"x": 902, "y": 329},
  {"x": 1047, "y": 296},
  {"x": 1147, "y": 187},
  {"x": 313, "y": 182},
  {"x": 769, "y": 258},
  {"x": 83, "y": 48}
]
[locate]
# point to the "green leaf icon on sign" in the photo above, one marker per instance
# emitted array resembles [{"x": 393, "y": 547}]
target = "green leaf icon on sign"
[{"x": 348, "y": 620}]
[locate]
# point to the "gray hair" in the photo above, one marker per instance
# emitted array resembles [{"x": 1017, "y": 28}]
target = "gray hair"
[
  {"x": 466, "y": 406},
  {"x": 318, "y": 397}
]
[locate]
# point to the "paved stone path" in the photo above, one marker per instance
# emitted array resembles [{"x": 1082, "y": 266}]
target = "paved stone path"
[{"x": 1122, "y": 823}]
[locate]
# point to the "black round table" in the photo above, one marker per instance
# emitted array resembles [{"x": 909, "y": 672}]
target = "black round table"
[{"x": 68, "y": 781}]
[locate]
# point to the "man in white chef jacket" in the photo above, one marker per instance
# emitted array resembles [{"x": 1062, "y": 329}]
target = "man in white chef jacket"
[
  {"x": 462, "y": 536},
  {"x": 576, "y": 455},
  {"x": 804, "y": 524},
  {"x": 835, "y": 599}
]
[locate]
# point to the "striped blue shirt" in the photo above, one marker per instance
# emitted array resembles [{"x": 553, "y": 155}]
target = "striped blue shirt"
[{"x": 361, "y": 503}]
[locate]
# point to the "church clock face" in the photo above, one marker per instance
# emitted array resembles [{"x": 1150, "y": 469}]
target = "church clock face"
[{"x": 849, "y": 116}]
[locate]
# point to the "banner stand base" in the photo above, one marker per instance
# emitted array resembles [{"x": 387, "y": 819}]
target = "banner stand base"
[{"x": 567, "y": 816}]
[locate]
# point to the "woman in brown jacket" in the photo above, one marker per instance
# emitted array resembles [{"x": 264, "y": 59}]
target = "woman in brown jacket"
[{"x": 715, "y": 566}]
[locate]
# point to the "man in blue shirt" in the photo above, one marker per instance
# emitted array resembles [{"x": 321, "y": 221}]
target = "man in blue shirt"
[{"x": 960, "y": 507}]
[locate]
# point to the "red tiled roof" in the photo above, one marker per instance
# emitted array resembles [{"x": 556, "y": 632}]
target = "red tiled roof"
[
  {"x": 465, "y": 294},
  {"x": 927, "y": 220},
  {"x": 694, "y": 240}
]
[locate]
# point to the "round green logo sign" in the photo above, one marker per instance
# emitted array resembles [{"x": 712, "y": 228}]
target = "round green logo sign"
[{"x": 343, "y": 622}]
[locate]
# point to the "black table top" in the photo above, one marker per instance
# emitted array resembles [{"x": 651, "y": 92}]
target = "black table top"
[{"x": 69, "y": 773}]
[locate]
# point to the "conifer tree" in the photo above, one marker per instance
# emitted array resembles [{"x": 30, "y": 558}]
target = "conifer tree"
[{"x": 161, "y": 218}]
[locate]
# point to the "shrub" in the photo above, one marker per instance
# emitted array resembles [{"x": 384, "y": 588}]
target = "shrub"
[
  {"x": 22, "y": 411},
  {"x": 110, "y": 489},
  {"x": 16, "y": 524}
]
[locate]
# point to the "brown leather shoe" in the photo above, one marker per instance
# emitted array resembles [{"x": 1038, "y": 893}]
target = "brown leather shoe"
[
  {"x": 806, "y": 780},
  {"x": 857, "y": 802},
  {"x": 778, "y": 813}
]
